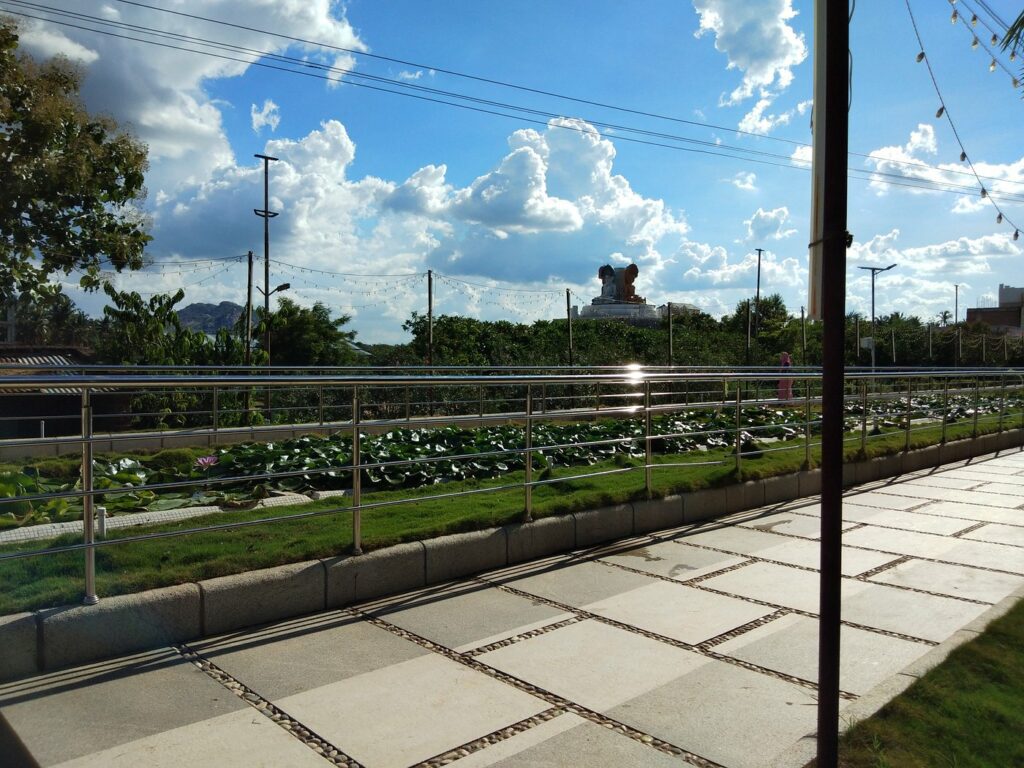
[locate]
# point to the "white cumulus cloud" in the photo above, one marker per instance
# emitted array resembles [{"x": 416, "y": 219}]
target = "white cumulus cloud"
[
  {"x": 768, "y": 225},
  {"x": 269, "y": 115}
]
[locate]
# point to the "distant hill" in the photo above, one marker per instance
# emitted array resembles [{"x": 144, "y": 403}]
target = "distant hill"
[{"x": 210, "y": 318}]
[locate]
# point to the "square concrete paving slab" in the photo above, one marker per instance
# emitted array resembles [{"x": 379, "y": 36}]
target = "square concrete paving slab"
[
  {"x": 244, "y": 739},
  {"x": 937, "y": 480},
  {"x": 725, "y": 713},
  {"x": 777, "y": 584},
  {"x": 999, "y": 534},
  {"x": 569, "y": 739},
  {"x": 405, "y": 713},
  {"x": 295, "y": 656},
  {"x": 744, "y": 541},
  {"x": 578, "y": 584},
  {"x": 786, "y": 523},
  {"x": 69, "y": 714},
  {"x": 984, "y": 555},
  {"x": 881, "y": 498},
  {"x": 974, "y": 497},
  {"x": 668, "y": 558},
  {"x": 952, "y": 580},
  {"x": 678, "y": 611},
  {"x": 594, "y": 664},
  {"x": 901, "y": 542},
  {"x": 909, "y": 613},
  {"x": 466, "y": 615},
  {"x": 989, "y": 469},
  {"x": 973, "y": 513},
  {"x": 909, "y": 521},
  {"x": 1008, "y": 488},
  {"x": 808, "y": 555},
  {"x": 790, "y": 645}
]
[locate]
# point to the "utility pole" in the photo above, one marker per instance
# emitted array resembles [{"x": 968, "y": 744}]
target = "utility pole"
[
  {"x": 956, "y": 303},
  {"x": 248, "y": 340},
  {"x": 874, "y": 330},
  {"x": 803, "y": 335},
  {"x": 830, "y": 240},
  {"x": 757, "y": 293},
  {"x": 430, "y": 338},
  {"x": 893, "y": 329},
  {"x": 568, "y": 320},
  {"x": 266, "y": 214},
  {"x": 748, "y": 331}
]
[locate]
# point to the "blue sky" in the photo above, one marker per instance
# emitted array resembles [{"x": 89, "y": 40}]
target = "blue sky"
[{"x": 511, "y": 212}]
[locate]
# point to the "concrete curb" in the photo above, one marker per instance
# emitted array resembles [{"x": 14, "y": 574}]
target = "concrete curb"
[
  {"x": 256, "y": 597},
  {"x": 122, "y": 624}
]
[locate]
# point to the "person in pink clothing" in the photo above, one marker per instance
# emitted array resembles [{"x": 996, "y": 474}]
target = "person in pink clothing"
[{"x": 785, "y": 385}]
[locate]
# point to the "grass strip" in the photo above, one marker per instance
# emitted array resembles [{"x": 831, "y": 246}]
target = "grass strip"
[
  {"x": 967, "y": 712},
  {"x": 51, "y": 580}
]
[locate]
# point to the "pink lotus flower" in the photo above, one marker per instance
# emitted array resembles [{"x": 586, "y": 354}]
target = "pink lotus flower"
[{"x": 205, "y": 462}]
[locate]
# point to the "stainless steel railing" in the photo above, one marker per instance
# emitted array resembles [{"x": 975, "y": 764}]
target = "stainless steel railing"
[{"x": 880, "y": 404}]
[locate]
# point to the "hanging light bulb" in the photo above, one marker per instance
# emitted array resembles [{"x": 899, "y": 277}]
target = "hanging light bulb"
[
  {"x": 984, "y": 192},
  {"x": 999, "y": 218},
  {"x": 992, "y": 66},
  {"x": 1016, "y": 82},
  {"x": 941, "y": 110},
  {"x": 954, "y": 17},
  {"x": 974, "y": 43},
  {"x": 1013, "y": 54},
  {"x": 995, "y": 39},
  {"x": 1016, "y": 234},
  {"x": 920, "y": 57},
  {"x": 963, "y": 157},
  {"x": 974, "y": 19}
]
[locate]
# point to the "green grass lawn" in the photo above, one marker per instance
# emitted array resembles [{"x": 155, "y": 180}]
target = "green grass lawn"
[
  {"x": 968, "y": 712},
  {"x": 324, "y": 528}
]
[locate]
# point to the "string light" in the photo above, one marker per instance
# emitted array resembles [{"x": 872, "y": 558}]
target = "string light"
[
  {"x": 940, "y": 111},
  {"x": 920, "y": 57},
  {"x": 954, "y": 17},
  {"x": 992, "y": 66}
]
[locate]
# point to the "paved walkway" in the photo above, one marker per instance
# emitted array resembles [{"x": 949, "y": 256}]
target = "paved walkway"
[{"x": 692, "y": 647}]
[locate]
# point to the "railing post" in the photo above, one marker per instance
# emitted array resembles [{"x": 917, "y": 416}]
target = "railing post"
[
  {"x": 739, "y": 439},
  {"x": 88, "y": 534},
  {"x": 906, "y": 433},
  {"x": 357, "y": 479},
  {"x": 648, "y": 443},
  {"x": 480, "y": 397},
  {"x": 408, "y": 406},
  {"x": 864, "y": 418},
  {"x": 945, "y": 408},
  {"x": 544, "y": 398},
  {"x": 320, "y": 393},
  {"x": 977, "y": 404},
  {"x": 216, "y": 410},
  {"x": 807, "y": 424},
  {"x": 528, "y": 477},
  {"x": 1002, "y": 400}
]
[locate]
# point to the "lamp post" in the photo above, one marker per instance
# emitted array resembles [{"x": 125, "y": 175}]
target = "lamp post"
[
  {"x": 266, "y": 214},
  {"x": 874, "y": 271},
  {"x": 266, "y": 334}
]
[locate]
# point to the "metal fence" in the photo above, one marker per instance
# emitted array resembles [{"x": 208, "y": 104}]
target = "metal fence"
[{"x": 659, "y": 418}]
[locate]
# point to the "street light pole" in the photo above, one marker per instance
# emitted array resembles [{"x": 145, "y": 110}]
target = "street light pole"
[
  {"x": 874, "y": 271},
  {"x": 956, "y": 303},
  {"x": 266, "y": 214},
  {"x": 757, "y": 294}
]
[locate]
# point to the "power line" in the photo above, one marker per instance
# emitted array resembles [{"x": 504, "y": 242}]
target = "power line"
[
  {"x": 787, "y": 161},
  {"x": 943, "y": 110}
]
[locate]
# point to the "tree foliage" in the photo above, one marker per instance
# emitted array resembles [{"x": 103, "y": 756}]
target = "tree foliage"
[
  {"x": 71, "y": 179},
  {"x": 306, "y": 336}
]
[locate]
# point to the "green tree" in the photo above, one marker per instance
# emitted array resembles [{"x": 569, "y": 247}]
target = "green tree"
[
  {"x": 70, "y": 182},
  {"x": 50, "y": 318},
  {"x": 307, "y": 336},
  {"x": 137, "y": 331}
]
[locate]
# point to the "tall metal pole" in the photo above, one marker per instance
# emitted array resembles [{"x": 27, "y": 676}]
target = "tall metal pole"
[
  {"x": 757, "y": 293},
  {"x": 874, "y": 329},
  {"x": 568, "y": 319},
  {"x": 748, "y": 332},
  {"x": 430, "y": 338},
  {"x": 956, "y": 303},
  {"x": 831, "y": 126},
  {"x": 671, "y": 339},
  {"x": 248, "y": 339},
  {"x": 803, "y": 335},
  {"x": 266, "y": 214}
]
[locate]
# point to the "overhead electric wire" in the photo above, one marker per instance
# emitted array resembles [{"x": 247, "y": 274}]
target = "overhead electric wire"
[
  {"x": 450, "y": 94},
  {"x": 943, "y": 110}
]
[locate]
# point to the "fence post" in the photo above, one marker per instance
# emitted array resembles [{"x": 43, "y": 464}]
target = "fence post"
[
  {"x": 739, "y": 438},
  {"x": 88, "y": 501},
  {"x": 945, "y": 408},
  {"x": 357, "y": 479},
  {"x": 906, "y": 433},
  {"x": 807, "y": 424},
  {"x": 528, "y": 477},
  {"x": 321, "y": 404},
  {"x": 864, "y": 418},
  {"x": 216, "y": 411},
  {"x": 648, "y": 443},
  {"x": 977, "y": 404}
]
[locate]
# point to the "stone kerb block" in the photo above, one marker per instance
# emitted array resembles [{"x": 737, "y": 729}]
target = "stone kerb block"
[
  {"x": 656, "y": 514},
  {"x": 849, "y": 474},
  {"x": 748, "y": 495},
  {"x": 462, "y": 554},
  {"x": 780, "y": 489},
  {"x": 866, "y": 471},
  {"x": 890, "y": 466},
  {"x": 809, "y": 482},
  {"x": 705, "y": 504},
  {"x": 355, "y": 578},
  {"x": 540, "y": 538},
  {"x": 120, "y": 625},
  {"x": 258, "y": 597},
  {"x": 923, "y": 458},
  {"x": 957, "y": 450},
  {"x": 17, "y": 646},
  {"x": 605, "y": 524}
]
